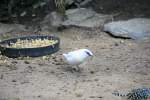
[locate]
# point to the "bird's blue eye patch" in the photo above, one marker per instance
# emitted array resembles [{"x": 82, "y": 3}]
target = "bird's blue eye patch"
[{"x": 88, "y": 53}]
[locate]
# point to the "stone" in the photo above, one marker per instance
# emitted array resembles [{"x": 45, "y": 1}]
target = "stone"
[
  {"x": 79, "y": 17},
  {"x": 136, "y": 28},
  {"x": 85, "y": 18},
  {"x": 51, "y": 22},
  {"x": 8, "y": 28}
]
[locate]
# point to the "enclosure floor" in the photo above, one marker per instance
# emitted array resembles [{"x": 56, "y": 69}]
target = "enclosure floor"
[{"x": 117, "y": 64}]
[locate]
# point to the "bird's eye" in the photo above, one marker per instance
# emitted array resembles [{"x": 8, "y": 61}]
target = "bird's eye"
[{"x": 89, "y": 54}]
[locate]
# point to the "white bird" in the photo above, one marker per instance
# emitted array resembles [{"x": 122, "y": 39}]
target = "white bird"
[{"x": 77, "y": 57}]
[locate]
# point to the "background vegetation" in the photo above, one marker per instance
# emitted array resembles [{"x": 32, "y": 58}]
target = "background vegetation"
[
  {"x": 14, "y": 9},
  {"x": 18, "y": 10}
]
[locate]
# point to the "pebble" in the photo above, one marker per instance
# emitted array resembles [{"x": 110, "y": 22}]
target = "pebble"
[
  {"x": 11, "y": 67},
  {"x": 14, "y": 62},
  {"x": 14, "y": 81},
  {"x": 39, "y": 96},
  {"x": 107, "y": 68},
  {"x": 2, "y": 76},
  {"x": 26, "y": 62},
  {"x": 52, "y": 72},
  {"x": 96, "y": 79},
  {"x": 95, "y": 97},
  {"x": 116, "y": 44},
  {"x": 122, "y": 41},
  {"x": 92, "y": 97},
  {"x": 78, "y": 94},
  {"x": 92, "y": 72}
]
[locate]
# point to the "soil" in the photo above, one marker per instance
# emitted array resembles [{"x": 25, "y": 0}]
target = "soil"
[{"x": 118, "y": 64}]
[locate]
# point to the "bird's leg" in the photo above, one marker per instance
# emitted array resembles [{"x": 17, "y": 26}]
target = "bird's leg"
[{"x": 77, "y": 68}]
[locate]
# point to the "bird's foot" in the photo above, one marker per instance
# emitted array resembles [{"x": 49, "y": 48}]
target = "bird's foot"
[{"x": 76, "y": 69}]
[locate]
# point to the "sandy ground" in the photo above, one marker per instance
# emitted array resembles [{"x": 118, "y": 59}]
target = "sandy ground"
[{"x": 118, "y": 64}]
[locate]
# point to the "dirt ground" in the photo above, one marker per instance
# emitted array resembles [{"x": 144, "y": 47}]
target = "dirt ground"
[{"x": 118, "y": 64}]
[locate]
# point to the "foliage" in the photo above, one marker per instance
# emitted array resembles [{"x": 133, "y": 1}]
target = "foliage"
[
  {"x": 14, "y": 8},
  {"x": 60, "y": 5}
]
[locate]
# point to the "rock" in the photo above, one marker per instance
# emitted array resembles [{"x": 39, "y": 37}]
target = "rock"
[
  {"x": 26, "y": 62},
  {"x": 7, "y": 28},
  {"x": 69, "y": 2},
  {"x": 14, "y": 62},
  {"x": 137, "y": 28},
  {"x": 86, "y": 18},
  {"x": 92, "y": 72},
  {"x": 79, "y": 14},
  {"x": 78, "y": 3},
  {"x": 78, "y": 93},
  {"x": 14, "y": 80},
  {"x": 83, "y": 3},
  {"x": 82, "y": 17},
  {"x": 96, "y": 79},
  {"x": 51, "y": 22},
  {"x": 56, "y": 19},
  {"x": 2, "y": 76}
]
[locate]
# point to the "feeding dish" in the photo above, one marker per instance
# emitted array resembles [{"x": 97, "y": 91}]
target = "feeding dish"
[{"x": 30, "y": 46}]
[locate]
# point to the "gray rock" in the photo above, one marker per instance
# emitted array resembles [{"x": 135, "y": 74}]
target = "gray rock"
[
  {"x": 77, "y": 2},
  {"x": 83, "y": 17},
  {"x": 7, "y": 28},
  {"x": 51, "y": 22},
  {"x": 137, "y": 28},
  {"x": 56, "y": 19}
]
